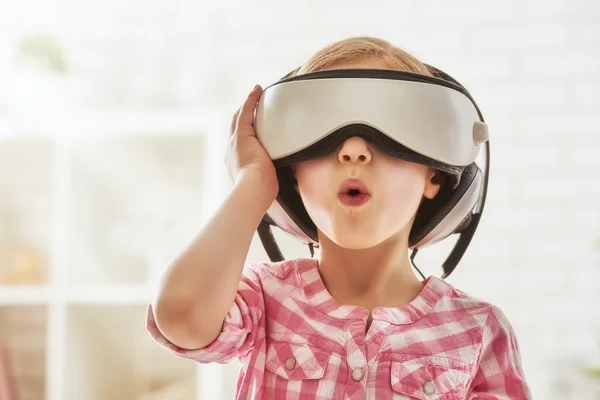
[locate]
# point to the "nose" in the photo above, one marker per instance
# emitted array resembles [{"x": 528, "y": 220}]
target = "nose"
[{"x": 355, "y": 151}]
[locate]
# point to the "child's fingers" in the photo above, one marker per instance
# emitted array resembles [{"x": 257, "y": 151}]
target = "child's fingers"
[
  {"x": 246, "y": 114},
  {"x": 234, "y": 122}
]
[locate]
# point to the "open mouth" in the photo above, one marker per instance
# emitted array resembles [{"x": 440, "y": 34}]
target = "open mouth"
[
  {"x": 353, "y": 192},
  {"x": 353, "y": 187}
]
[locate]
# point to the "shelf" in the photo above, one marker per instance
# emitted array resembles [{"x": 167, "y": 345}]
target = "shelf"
[
  {"x": 134, "y": 202},
  {"x": 109, "y": 123},
  {"x": 93, "y": 295},
  {"x": 23, "y": 334},
  {"x": 93, "y": 205},
  {"x": 110, "y": 294},
  {"x": 111, "y": 356},
  {"x": 24, "y": 295},
  {"x": 26, "y": 210}
]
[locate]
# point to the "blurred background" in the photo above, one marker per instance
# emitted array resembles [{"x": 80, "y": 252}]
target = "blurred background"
[{"x": 114, "y": 118}]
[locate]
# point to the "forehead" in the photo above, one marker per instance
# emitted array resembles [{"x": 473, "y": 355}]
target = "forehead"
[{"x": 376, "y": 63}]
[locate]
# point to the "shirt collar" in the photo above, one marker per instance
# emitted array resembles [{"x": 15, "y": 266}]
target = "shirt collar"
[{"x": 433, "y": 290}]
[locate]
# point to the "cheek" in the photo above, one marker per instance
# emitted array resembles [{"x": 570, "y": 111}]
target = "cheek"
[
  {"x": 313, "y": 178},
  {"x": 404, "y": 180}
]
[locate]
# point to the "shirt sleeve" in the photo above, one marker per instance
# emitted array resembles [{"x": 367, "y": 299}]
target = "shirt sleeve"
[
  {"x": 243, "y": 325},
  {"x": 499, "y": 375}
]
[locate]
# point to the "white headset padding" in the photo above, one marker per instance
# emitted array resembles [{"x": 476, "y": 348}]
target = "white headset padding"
[
  {"x": 456, "y": 215},
  {"x": 283, "y": 221}
]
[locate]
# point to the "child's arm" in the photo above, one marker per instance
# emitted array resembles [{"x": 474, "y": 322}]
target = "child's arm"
[
  {"x": 500, "y": 375},
  {"x": 200, "y": 285}
]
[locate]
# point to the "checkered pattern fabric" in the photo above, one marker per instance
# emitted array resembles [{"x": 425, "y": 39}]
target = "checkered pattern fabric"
[{"x": 295, "y": 341}]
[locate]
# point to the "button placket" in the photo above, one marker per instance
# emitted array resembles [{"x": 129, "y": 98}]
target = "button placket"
[{"x": 356, "y": 352}]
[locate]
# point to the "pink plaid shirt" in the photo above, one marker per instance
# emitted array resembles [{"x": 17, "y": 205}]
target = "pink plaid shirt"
[{"x": 295, "y": 341}]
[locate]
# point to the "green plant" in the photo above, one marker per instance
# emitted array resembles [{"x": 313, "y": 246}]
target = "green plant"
[
  {"x": 593, "y": 373},
  {"x": 42, "y": 51}
]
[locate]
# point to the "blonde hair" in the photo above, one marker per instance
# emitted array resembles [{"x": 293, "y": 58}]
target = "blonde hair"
[{"x": 361, "y": 48}]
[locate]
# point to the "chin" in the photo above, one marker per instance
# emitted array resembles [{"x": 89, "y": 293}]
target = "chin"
[
  {"x": 363, "y": 235},
  {"x": 355, "y": 240}
]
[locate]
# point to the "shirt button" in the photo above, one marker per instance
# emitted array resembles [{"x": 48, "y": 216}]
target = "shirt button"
[
  {"x": 429, "y": 388},
  {"x": 358, "y": 374},
  {"x": 290, "y": 363}
]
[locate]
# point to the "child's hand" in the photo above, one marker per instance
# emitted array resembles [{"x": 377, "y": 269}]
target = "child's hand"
[{"x": 245, "y": 155}]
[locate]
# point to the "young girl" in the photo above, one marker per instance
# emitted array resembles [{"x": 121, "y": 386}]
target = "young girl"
[{"x": 356, "y": 323}]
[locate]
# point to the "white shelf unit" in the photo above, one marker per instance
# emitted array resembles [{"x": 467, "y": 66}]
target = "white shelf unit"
[{"x": 106, "y": 198}]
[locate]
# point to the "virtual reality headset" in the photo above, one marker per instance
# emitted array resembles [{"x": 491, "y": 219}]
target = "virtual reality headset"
[{"x": 428, "y": 120}]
